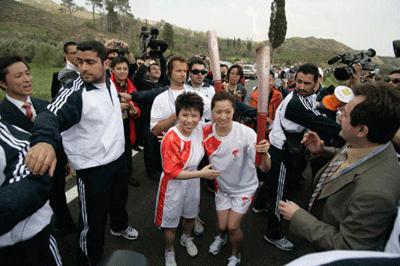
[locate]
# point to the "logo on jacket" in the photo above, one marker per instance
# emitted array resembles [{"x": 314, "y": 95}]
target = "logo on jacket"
[{"x": 235, "y": 154}]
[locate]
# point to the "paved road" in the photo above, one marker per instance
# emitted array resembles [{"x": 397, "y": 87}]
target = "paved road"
[{"x": 255, "y": 251}]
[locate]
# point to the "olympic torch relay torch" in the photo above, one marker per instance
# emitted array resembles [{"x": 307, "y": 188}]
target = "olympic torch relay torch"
[
  {"x": 262, "y": 65},
  {"x": 213, "y": 51}
]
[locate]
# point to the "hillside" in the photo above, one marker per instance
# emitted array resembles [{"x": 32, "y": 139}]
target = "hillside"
[{"x": 37, "y": 29}]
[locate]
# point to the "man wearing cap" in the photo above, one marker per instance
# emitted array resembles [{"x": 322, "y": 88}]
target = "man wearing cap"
[{"x": 356, "y": 194}]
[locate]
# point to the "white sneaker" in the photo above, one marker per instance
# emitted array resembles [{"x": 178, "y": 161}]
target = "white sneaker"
[
  {"x": 129, "y": 233},
  {"x": 170, "y": 258},
  {"x": 233, "y": 260},
  {"x": 187, "y": 242},
  {"x": 198, "y": 228},
  {"x": 283, "y": 243},
  {"x": 217, "y": 244}
]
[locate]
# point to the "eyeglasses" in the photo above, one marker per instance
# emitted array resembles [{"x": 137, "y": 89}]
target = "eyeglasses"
[
  {"x": 196, "y": 72},
  {"x": 110, "y": 58}
]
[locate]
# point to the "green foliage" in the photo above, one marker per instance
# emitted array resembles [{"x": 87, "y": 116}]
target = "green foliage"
[
  {"x": 47, "y": 54},
  {"x": 69, "y": 4},
  {"x": 277, "y": 24},
  {"x": 25, "y": 28},
  {"x": 249, "y": 45},
  {"x": 168, "y": 34}
]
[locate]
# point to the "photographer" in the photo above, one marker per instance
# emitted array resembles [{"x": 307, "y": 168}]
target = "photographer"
[
  {"x": 149, "y": 77},
  {"x": 118, "y": 48}
]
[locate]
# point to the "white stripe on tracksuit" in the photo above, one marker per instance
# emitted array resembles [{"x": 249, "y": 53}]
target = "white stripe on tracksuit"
[
  {"x": 281, "y": 185},
  {"x": 54, "y": 250},
  {"x": 21, "y": 146},
  {"x": 83, "y": 236},
  {"x": 63, "y": 97},
  {"x": 308, "y": 106}
]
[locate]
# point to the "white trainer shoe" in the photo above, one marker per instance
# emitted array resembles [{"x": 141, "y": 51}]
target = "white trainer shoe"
[
  {"x": 217, "y": 244},
  {"x": 233, "y": 260},
  {"x": 129, "y": 233},
  {"x": 188, "y": 243},
  {"x": 198, "y": 228},
  {"x": 170, "y": 258},
  {"x": 283, "y": 243}
]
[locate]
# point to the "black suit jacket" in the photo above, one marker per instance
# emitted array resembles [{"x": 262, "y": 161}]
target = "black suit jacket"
[{"x": 10, "y": 113}]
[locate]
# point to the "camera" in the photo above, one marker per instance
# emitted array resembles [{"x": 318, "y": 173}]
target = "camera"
[
  {"x": 119, "y": 49},
  {"x": 151, "y": 46},
  {"x": 363, "y": 58}
]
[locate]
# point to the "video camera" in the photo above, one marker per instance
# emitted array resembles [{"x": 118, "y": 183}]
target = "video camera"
[
  {"x": 151, "y": 46},
  {"x": 363, "y": 58}
]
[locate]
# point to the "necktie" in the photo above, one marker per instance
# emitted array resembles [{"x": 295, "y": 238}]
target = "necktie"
[
  {"x": 28, "y": 109},
  {"x": 327, "y": 176}
]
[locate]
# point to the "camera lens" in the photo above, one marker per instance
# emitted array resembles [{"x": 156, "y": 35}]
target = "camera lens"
[{"x": 342, "y": 73}]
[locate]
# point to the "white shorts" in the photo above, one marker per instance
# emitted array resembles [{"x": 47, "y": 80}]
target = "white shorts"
[
  {"x": 176, "y": 199},
  {"x": 237, "y": 204}
]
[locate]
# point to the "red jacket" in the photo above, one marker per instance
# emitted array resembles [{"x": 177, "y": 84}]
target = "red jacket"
[
  {"x": 275, "y": 98},
  {"x": 129, "y": 89}
]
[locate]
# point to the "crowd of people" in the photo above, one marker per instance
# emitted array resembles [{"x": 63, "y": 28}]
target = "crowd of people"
[{"x": 329, "y": 160}]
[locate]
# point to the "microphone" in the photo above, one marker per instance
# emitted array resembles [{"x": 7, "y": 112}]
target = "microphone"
[{"x": 334, "y": 59}]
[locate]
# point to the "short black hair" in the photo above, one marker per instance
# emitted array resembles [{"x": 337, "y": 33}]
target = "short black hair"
[
  {"x": 94, "y": 46},
  {"x": 6, "y": 61},
  {"x": 308, "y": 69},
  {"x": 238, "y": 67},
  {"x": 223, "y": 96},
  {"x": 272, "y": 73},
  {"x": 196, "y": 60},
  {"x": 189, "y": 100},
  {"x": 396, "y": 71},
  {"x": 380, "y": 111},
  {"x": 118, "y": 60},
  {"x": 68, "y": 44}
]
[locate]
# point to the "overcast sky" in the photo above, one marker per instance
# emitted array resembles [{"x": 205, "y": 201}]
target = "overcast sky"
[{"x": 360, "y": 24}]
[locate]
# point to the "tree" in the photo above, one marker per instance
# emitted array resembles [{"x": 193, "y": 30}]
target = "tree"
[
  {"x": 277, "y": 25},
  {"x": 68, "y": 4},
  {"x": 95, "y": 3},
  {"x": 168, "y": 34},
  {"x": 114, "y": 7},
  {"x": 112, "y": 17},
  {"x": 249, "y": 44}
]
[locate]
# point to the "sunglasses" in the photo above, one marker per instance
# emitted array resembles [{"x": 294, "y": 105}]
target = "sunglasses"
[
  {"x": 110, "y": 58},
  {"x": 196, "y": 72}
]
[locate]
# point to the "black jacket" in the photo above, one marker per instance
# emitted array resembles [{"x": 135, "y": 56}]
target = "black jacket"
[{"x": 10, "y": 113}]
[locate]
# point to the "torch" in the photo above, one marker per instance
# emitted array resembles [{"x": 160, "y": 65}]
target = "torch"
[
  {"x": 262, "y": 65},
  {"x": 213, "y": 51}
]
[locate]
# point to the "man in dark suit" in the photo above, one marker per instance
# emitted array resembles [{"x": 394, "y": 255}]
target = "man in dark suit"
[
  {"x": 20, "y": 109},
  {"x": 356, "y": 194}
]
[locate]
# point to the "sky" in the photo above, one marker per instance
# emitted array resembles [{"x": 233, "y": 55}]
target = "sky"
[{"x": 360, "y": 24}]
